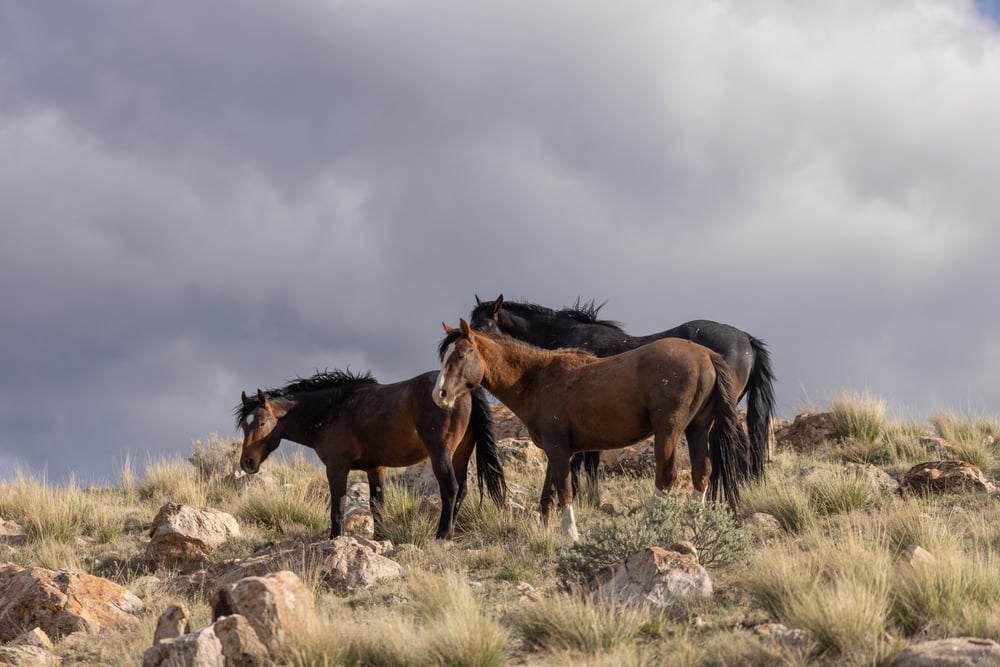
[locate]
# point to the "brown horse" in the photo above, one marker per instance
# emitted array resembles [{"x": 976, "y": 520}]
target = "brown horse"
[
  {"x": 355, "y": 423},
  {"x": 572, "y": 401}
]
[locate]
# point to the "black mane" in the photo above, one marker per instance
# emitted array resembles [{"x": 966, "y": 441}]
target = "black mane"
[
  {"x": 581, "y": 311},
  {"x": 319, "y": 381}
]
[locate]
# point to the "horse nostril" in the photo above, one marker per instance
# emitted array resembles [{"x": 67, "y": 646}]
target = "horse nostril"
[{"x": 443, "y": 393}]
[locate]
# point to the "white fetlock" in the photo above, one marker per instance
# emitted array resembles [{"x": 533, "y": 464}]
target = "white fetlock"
[{"x": 569, "y": 523}]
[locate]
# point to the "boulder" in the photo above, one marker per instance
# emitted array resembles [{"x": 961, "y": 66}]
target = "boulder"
[
  {"x": 933, "y": 477},
  {"x": 345, "y": 564},
  {"x": 657, "y": 577},
  {"x": 521, "y": 452},
  {"x": 507, "y": 425},
  {"x": 914, "y": 556},
  {"x": 952, "y": 652},
  {"x": 807, "y": 432},
  {"x": 182, "y": 535},
  {"x": 61, "y": 602},
  {"x": 273, "y": 605},
  {"x": 174, "y": 622},
  {"x": 241, "y": 646},
  {"x": 880, "y": 482},
  {"x": 27, "y": 655},
  {"x": 197, "y": 649},
  {"x": 35, "y": 637}
]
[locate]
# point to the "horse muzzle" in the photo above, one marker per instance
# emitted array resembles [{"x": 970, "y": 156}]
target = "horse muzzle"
[
  {"x": 249, "y": 465},
  {"x": 444, "y": 399}
]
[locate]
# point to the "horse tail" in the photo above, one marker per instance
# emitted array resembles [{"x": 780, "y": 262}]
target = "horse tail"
[
  {"x": 728, "y": 444},
  {"x": 489, "y": 470},
  {"x": 760, "y": 407}
]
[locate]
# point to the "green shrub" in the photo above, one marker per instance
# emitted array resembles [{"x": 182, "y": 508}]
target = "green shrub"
[{"x": 611, "y": 540}]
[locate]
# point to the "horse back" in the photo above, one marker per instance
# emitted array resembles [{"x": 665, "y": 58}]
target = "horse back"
[{"x": 395, "y": 424}]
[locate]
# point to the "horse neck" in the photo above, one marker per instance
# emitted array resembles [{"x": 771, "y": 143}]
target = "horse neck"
[
  {"x": 301, "y": 418},
  {"x": 508, "y": 368}
]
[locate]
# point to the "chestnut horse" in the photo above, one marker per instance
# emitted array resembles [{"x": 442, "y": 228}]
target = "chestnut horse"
[
  {"x": 572, "y": 401},
  {"x": 355, "y": 423},
  {"x": 579, "y": 327}
]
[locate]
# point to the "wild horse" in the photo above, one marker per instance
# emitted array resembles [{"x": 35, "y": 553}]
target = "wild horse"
[
  {"x": 579, "y": 327},
  {"x": 355, "y": 423},
  {"x": 572, "y": 401}
]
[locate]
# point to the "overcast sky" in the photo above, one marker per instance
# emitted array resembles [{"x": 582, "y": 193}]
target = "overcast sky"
[{"x": 198, "y": 198}]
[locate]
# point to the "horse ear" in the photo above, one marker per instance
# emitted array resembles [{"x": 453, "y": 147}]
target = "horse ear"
[
  {"x": 261, "y": 397},
  {"x": 447, "y": 329},
  {"x": 464, "y": 326},
  {"x": 479, "y": 301},
  {"x": 498, "y": 304},
  {"x": 243, "y": 395}
]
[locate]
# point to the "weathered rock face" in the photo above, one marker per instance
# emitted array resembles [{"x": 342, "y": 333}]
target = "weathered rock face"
[
  {"x": 174, "y": 622},
  {"x": 346, "y": 564},
  {"x": 881, "y": 483},
  {"x": 240, "y": 644},
  {"x": 507, "y": 425},
  {"x": 807, "y": 432},
  {"x": 521, "y": 452},
  {"x": 273, "y": 605},
  {"x": 27, "y": 655},
  {"x": 933, "y": 477},
  {"x": 198, "y": 649},
  {"x": 182, "y": 535},
  {"x": 61, "y": 602},
  {"x": 654, "y": 576},
  {"x": 955, "y": 652}
]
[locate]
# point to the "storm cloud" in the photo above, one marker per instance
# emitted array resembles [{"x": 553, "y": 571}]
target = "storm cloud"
[{"x": 198, "y": 199}]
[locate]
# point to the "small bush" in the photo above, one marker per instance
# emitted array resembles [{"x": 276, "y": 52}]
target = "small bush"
[
  {"x": 214, "y": 458},
  {"x": 838, "y": 493},
  {"x": 614, "y": 539}
]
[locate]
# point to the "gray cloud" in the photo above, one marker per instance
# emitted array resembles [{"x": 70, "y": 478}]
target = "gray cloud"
[{"x": 201, "y": 199}]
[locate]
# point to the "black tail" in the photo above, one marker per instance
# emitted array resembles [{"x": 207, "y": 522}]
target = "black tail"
[
  {"x": 760, "y": 407},
  {"x": 488, "y": 467},
  {"x": 728, "y": 444}
]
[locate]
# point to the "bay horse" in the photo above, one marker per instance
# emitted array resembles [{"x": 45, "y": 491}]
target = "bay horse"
[
  {"x": 355, "y": 423},
  {"x": 572, "y": 401},
  {"x": 579, "y": 327}
]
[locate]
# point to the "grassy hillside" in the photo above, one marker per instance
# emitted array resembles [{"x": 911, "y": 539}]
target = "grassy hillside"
[{"x": 505, "y": 591}]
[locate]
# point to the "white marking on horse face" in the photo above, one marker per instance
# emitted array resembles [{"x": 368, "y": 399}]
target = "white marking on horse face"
[
  {"x": 439, "y": 383},
  {"x": 250, "y": 419},
  {"x": 569, "y": 523}
]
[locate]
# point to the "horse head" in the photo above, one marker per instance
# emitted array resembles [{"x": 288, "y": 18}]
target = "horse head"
[
  {"x": 461, "y": 366},
  {"x": 261, "y": 423},
  {"x": 491, "y": 316}
]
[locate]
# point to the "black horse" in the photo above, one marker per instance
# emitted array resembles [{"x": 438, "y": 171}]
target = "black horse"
[{"x": 579, "y": 327}]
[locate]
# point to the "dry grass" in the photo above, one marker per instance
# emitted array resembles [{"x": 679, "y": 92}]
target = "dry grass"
[{"x": 831, "y": 572}]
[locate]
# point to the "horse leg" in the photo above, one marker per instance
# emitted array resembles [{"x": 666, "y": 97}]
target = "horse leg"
[
  {"x": 460, "y": 462},
  {"x": 558, "y": 481},
  {"x": 337, "y": 479},
  {"x": 574, "y": 466},
  {"x": 445, "y": 474},
  {"x": 376, "y": 500},
  {"x": 665, "y": 442},
  {"x": 701, "y": 467}
]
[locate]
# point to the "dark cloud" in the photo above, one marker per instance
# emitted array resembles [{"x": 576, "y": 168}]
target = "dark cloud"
[{"x": 199, "y": 199}]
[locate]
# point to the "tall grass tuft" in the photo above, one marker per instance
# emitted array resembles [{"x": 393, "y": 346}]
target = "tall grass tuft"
[
  {"x": 955, "y": 593},
  {"x": 841, "y": 594},
  {"x": 404, "y": 520},
  {"x": 569, "y": 623},
  {"x": 284, "y": 509},
  {"x": 973, "y": 440},
  {"x": 788, "y": 503},
  {"x": 858, "y": 415}
]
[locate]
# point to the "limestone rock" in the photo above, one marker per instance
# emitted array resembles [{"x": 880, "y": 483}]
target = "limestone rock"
[
  {"x": 35, "y": 637},
  {"x": 653, "y": 576},
  {"x": 273, "y": 605},
  {"x": 197, "y": 649},
  {"x": 807, "y": 432},
  {"x": 61, "y": 602},
  {"x": 30, "y": 656},
  {"x": 507, "y": 425},
  {"x": 175, "y": 621},
  {"x": 182, "y": 534},
  {"x": 241, "y": 646},
  {"x": 933, "y": 477},
  {"x": 953, "y": 652}
]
